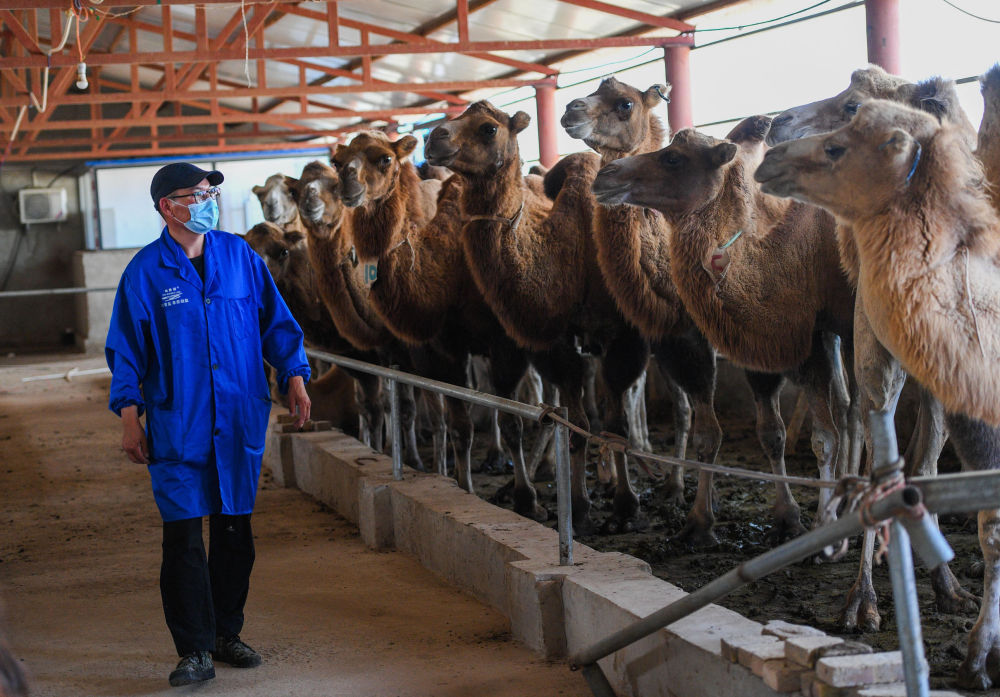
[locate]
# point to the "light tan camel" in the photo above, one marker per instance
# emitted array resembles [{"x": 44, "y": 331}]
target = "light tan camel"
[
  {"x": 277, "y": 203},
  {"x": 535, "y": 264},
  {"x": 757, "y": 274},
  {"x": 424, "y": 292},
  {"x": 618, "y": 120},
  {"x": 988, "y": 145},
  {"x": 879, "y": 375},
  {"x": 928, "y": 242},
  {"x": 342, "y": 289}
]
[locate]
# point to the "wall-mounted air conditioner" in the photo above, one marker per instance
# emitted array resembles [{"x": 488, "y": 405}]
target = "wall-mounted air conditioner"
[{"x": 42, "y": 205}]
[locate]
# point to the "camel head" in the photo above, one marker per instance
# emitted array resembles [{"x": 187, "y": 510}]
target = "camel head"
[
  {"x": 276, "y": 199},
  {"x": 317, "y": 195},
  {"x": 275, "y": 246},
  {"x": 830, "y": 114},
  {"x": 616, "y": 117},
  {"x": 480, "y": 142},
  {"x": 685, "y": 175},
  {"x": 369, "y": 166},
  {"x": 856, "y": 170}
]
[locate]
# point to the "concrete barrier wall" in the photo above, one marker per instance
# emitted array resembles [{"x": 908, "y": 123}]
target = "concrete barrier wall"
[{"x": 511, "y": 563}]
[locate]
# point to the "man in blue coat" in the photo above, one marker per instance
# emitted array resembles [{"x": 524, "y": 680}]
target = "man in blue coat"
[{"x": 195, "y": 316}]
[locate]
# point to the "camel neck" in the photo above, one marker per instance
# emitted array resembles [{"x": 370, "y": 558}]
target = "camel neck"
[{"x": 500, "y": 194}]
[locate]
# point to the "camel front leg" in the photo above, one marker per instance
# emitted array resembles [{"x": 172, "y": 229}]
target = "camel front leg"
[
  {"x": 861, "y": 609},
  {"x": 408, "y": 426},
  {"x": 635, "y": 415},
  {"x": 982, "y": 660},
  {"x": 786, "y": 517}
]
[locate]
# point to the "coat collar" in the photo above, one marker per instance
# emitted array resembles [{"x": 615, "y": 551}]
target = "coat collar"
[{"x": 173, "y": 255}]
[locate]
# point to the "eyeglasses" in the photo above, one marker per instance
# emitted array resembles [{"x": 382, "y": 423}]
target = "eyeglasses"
[{"x": 201, "y": 195}]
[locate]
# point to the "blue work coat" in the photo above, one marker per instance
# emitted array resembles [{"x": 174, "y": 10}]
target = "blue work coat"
[{"x": 190, "y": 355}]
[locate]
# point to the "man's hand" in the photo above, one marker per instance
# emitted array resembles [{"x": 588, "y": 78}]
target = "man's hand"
[
  {"x": 134, "y": 436},
  {"x": 298, "y": 401}
]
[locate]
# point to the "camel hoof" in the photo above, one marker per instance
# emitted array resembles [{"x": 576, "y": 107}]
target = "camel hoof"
[
  {"x": 959, "y": 603},
  {"x": 860, "y": 616},
  {"x": 526, "y": 504},
  {"x": 503, "y": 494},
  {"x": 414, "y": 463},
  {"x": 584, "y": 528},
  {"x": 495, "y": 462},
  {"x": 674, "y": 497},
  {"x": 696, "y": 535},
  {"x": 783, "y": 530},
  {"x": 973, "y": 679},
  {"x": 616, "y": 524}
]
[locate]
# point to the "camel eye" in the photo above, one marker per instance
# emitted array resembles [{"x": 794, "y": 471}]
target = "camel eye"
[
  {"x": 624, "y": 106},
  {"x": 834, "y": 152},
  {"x": 384, "y": 161},
  {"x": 851, "y": 108},
  {"x": 671, "y": 159},
  {"x": 488, "y": 129},
  {"x": 283, "y": 254}
]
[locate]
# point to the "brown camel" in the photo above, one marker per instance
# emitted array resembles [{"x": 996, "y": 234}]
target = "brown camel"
[
  {"x": 617, "y": 121},
  {"x": 988, "y": 146},
  {"x": 757, "y": 274},
  {"x": 284, "y": 252},
  {"x": 341, "y": 287},
  {"x": 535, "y": 264},
  {"x": 277, "y": 203},
  {"x": 879, "y": 375},
  {"x": 424, "y": 292},
  {"x": 928, "y": 241}
]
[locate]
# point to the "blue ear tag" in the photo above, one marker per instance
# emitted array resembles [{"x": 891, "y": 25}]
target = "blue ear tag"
[{"x": 370, "y": 272}]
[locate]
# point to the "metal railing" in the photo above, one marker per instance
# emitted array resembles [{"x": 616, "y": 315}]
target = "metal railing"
[
  {"x": 54, "y": 291},
  {"x": 392, "y": 377}
]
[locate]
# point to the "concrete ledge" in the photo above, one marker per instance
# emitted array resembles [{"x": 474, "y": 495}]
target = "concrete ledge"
[{"x": 511, "y": 563}]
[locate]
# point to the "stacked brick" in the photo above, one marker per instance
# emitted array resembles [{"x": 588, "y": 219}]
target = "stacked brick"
[{"x": 792, "y": 658}]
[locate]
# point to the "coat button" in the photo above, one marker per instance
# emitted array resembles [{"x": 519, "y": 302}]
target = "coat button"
[
  {"x": 208, "y": 301},
  {"x": 215, "y": 366},
  {"x": 217, "y": 431}
]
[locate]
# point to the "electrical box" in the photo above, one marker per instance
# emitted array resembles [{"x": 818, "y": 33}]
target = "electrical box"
[{"x": 42, "y": 205}]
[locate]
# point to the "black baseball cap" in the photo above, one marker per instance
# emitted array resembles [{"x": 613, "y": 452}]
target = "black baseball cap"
[{"x": 179, "y": 175}]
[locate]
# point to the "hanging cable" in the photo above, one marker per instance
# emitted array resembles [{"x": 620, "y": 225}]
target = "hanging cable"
[{"x": 966, "y": 12}]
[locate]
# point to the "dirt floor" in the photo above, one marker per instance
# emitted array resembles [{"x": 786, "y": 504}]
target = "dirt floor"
[
  {"x": 79, "y": 557},
  {"x": 808, "y": 593}
]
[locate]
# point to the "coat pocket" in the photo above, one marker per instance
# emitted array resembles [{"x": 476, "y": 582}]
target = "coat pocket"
[
  {"x": 255, "y": 417},
  {"x": 243, "y": 317},
  {"x": 165, "y": 433}
]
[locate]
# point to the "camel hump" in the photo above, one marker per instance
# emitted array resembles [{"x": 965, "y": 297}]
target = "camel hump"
[
  {"x": 556, "y": 177},
  {"x": 752, "y": 129}
]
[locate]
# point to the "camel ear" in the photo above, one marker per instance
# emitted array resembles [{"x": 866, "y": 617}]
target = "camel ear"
[
  {"x": 258, "y": 190},
  {"x": 293, "y": 188},
  {"x": 723, "y": 153},
  {"x": 291, "y": 182},
  {"x": 518, "y": 122},
  {"x": 899, "y": 144},
  {"x": 654, "y": 94},
  {"x": 340, "y": 148},
  {"x": 404, "y": 146},
  {"x": 293, "y": 237}
]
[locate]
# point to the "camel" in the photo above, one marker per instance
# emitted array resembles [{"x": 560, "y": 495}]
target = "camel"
[
  {"x": 928, "y": 239},
  {"x": 277, "y": 203},
  {"x": 425, "y": 294},
  {"x": 618, "y": 120},
  {"x": 758, "y": 275},
  {"x": 878, "y": 374},
  {"x": 340, "y": 286},
  {"x": 284, "y": 252},
  {"x": 988, "y": 146},
  {"x": 534, "y": 262}
]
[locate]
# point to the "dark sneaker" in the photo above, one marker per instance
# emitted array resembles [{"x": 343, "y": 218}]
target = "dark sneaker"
[
  {"x": 195, "y": 667},
  {"x": 235, "y": 653}
]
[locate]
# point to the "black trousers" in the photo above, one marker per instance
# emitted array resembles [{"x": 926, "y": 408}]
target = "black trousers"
[{"x": 203, "y": 597}]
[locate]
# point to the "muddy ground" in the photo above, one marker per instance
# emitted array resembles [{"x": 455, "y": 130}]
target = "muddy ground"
[{"x": 807, "y": 593}]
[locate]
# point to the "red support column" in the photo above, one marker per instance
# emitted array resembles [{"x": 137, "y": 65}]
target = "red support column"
[
  {"x": 882, "y": 20},
  {"x": 548, "y": 124},
  {"x": 678, "y": 72}
]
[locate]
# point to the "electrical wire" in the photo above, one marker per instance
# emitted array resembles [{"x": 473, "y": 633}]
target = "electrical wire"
[
  {"x": 966, "y": 12},
  {"x": 757, "y": 24}
]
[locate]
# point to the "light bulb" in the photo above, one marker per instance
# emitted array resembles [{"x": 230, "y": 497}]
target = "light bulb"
[{"x": 81, "y": 76}]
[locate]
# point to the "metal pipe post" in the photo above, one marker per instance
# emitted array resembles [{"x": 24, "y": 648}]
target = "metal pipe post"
[
  {"x": 904, "y": 594},
  {"x": 882, "y": 20},
  {"x": 564, "y": 501},
  {"x": 548, "y": 124},
  {"x": 677, "y": 60},
  {"x": 395, "y": 430}
]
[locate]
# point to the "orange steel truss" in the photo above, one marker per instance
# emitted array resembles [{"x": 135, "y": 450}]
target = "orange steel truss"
[{"x": 182, "y": 111}]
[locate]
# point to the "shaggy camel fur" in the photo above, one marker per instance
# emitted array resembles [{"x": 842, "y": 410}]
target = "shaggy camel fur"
[
  {"x": 878, "y": 374},
  {"x": 341, "y": 288},
  {"x": 277, "y": 203},
  {"x": 424, "y": 293},
  {"x": 535, "y": 264},
  {"x": 928, "y": 241},
  {"x": 757, "y": 274},
  {"x": 632, "y": 249},
  {"x": 988, "y": 146}
]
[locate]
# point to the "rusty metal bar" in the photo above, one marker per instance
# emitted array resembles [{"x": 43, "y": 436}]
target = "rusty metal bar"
[{"x": 644, "y": 17}]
